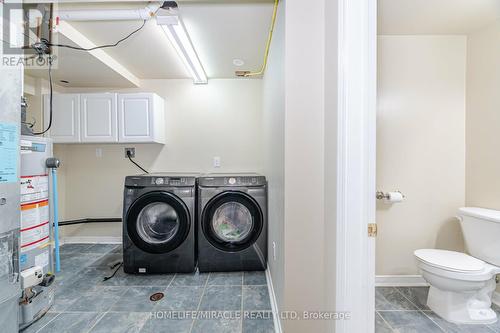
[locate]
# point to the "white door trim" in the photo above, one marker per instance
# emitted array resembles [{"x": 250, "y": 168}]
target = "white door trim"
[{"x": 356, "y": 146}]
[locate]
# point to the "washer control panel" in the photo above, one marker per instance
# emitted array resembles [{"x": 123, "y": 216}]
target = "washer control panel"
[{"x": 160, "y": 180}]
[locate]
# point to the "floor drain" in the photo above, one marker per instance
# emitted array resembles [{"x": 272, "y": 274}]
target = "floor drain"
[{"x": 156, "y": 297}]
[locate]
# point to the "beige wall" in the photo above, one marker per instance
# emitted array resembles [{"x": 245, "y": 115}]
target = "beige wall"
[
  {"x": 483, "y": 118},
  {"x": 421, "y": 146},
  {"x": 221, "y": 119}
]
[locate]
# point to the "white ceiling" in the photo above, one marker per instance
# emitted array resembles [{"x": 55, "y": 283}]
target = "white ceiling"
[
  {"x": 413, "y": 17},
  {"x": 81, "y": 69},
  {"x": 220, "y": 31}
]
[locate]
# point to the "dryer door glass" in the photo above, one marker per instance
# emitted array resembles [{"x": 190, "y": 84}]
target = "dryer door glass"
[
  {"x": 157, "y": 223},
  {"x": 232, "y": 222}
]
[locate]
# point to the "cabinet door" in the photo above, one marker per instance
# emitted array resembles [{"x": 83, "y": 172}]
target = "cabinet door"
[
  {"x": 135, "y": 117},
  {"x": 65, "y": 117},
  {"x": 98, "y": 118}
]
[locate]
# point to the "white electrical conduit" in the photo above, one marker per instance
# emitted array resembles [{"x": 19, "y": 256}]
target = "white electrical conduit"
[{"x": 108, "y": 14}]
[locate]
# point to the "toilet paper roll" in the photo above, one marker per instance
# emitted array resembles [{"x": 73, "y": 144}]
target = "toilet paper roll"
[{"x": 393, "y": 197}]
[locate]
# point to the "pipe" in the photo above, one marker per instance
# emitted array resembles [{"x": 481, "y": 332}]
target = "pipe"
[
  {"x": 268, "y": 46},
  {"x": 56, "y": 220},
  {"x": 109, "y": 14}
]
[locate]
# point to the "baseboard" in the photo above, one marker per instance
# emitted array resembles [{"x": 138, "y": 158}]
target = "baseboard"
[
  {"x": 274, "y": 303},
  {"x": 91, "y": 240},
  {"x": 496, "y": 298},
  {"x": 400, "y": 281}
]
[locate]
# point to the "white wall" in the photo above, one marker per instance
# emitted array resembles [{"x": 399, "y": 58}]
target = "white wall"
[
  {"x": 483, "y": 118},
  {"x": 420, "y": 146},
  {"x": 221, "y": 119},
  {"x": 273, "y": 122}
]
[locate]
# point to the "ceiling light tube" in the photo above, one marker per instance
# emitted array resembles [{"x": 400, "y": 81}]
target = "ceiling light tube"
[{"x": 178, "y": 36}]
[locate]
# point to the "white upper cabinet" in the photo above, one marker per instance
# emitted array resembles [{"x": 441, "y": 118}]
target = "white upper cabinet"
[
  {"x": 65, "y": 117},
  {"x": 98, "y": 118},
  {"x": 106, "y": 118},
  {"x": 141, "y": 118}
]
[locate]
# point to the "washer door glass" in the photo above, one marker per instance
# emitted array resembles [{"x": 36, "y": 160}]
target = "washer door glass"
[
  {"x": 232, "y": 222},
  {"x": 157, "y": 223}
]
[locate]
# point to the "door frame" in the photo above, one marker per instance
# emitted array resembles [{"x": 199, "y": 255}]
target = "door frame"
[{"x": 356, "y": 163}]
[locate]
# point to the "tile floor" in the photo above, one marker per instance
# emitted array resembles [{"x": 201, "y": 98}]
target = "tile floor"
[
  {"x": 86, "y": 303},
  {"x": 404, "y": 310}
]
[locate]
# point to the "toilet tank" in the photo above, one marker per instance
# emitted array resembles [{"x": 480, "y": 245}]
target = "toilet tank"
[{"x": 481, "y": 230}]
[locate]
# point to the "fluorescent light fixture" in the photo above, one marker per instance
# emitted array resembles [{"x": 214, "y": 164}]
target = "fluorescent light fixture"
[{"x": 178, "y": 36}]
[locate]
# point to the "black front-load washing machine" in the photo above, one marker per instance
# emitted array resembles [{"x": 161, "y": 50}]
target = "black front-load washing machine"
[
  {"x": 232, "y": 222},
  {"x": 159, "y": 224}
]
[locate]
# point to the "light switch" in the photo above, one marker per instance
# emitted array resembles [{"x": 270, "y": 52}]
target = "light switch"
[
  {"x": 98, "y": 152},
  {"x": 216, "y": 162}
]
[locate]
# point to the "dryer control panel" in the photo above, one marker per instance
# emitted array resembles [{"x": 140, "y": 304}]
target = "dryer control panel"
[{"x": 232, "y": 180}]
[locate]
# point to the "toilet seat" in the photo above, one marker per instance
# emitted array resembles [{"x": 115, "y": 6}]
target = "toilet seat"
[
  {"x": 450, "y": 260},
  {"x": 455, "y": 265}
]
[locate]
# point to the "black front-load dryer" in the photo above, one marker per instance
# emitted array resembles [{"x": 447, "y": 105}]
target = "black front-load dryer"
[
  {"x": 232, "y": 222},
  {"x": 159, "y": 224}
]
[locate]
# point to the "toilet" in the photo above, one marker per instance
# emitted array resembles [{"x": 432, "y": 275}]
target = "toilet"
[{"x": 462, "y": 285}]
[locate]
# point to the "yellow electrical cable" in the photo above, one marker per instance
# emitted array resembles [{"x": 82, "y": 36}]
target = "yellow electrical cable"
[{"x": 268, "y": 46}]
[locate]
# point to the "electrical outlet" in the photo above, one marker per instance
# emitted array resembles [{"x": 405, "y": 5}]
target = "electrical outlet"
[
  {"x": 274, "y": 251},
  {"x": 129, "y": 152},
  {"x": 98, "y": 152},
  {"x": 216, "y": 162}
]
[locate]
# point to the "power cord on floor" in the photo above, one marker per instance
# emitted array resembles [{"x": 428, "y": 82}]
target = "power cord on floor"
[
  {"x": 118, "y": 265},
  {"x": 135, "y": 163}
]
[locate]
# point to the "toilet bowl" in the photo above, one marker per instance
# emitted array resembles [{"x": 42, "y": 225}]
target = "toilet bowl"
[{"x": 462, "y": 285}]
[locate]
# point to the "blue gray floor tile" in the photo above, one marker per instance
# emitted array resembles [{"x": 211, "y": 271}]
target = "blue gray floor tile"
[
  {"x": 225, "y": 279},
  {"x": 221, "y": 298},
  {"x": 258, "y": 322},
  {"x": 84, "y": 302},
  {"x": 390, "y": 299},
  {"x": 410, "y": 322},
  {"x": 256, "y": 298},
  {"x": 254, "y": 278},
  {"x": 72, "y": 322},
  {"x": 166, "y": 325},
  {"x": 113, "y": 322},
  {"x": 217, "y": 326}
]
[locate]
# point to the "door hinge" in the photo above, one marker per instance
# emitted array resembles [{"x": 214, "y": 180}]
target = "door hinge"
[{"x": 372, "y": 229}]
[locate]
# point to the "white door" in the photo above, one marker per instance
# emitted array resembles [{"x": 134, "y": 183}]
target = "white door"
[
  {"x": 98, "y": 118},
  {"x": 135, "y": 117},
  {"x": 65, "y": 126}
]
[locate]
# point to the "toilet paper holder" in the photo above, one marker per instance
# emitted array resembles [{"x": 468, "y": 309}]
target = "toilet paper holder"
[{"x": 386, "y": 196}]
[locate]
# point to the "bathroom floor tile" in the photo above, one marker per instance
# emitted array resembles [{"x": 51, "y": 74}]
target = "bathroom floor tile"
[
  {"x": 417, "y": 295},
  {"x": 496, "y": 326},
  {"x": 410, "y": 322},
  {"x": 454, "y": 328},
  {"x": 381, "y": 325},
  {"x": 389, "y": 298}
]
